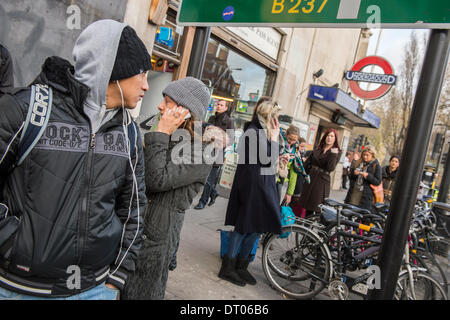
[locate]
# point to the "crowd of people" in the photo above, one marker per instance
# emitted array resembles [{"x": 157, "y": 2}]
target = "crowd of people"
[{"x": 95, "y": 196}]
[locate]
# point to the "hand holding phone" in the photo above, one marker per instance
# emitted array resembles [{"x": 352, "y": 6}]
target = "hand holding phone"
[{"x": 172, "y": 119}]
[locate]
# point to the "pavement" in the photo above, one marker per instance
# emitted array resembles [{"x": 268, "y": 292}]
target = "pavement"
[{"x": 195, "y": 277}]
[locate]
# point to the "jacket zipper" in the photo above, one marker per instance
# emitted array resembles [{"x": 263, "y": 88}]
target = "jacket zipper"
[{"x": 84, "y": 204}]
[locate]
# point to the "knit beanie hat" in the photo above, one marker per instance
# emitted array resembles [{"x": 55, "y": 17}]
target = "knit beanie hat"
[
  {"x": 191, "y": 93},
  {"x": 132, "y": 57}
]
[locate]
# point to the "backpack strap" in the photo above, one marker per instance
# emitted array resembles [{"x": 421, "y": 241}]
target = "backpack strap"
[
  {"x": 39, "y": 111},
  {"x": 132, "y": 136}
]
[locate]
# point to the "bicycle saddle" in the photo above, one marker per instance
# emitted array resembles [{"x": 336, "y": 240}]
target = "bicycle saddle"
[
  {"x": 441, "y": 205},
  {"x": 380, "y": 207},
  {"x": 333, "y": 203},
  {"x": 349, "y": 213},
  {"x": 372, "y": 217},
  {"x": 356, "y": 209}
]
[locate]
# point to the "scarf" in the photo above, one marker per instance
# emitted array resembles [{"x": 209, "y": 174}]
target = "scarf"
[
  {"x": 297, "y": 162},
  {"x": 363, "y": 166}
]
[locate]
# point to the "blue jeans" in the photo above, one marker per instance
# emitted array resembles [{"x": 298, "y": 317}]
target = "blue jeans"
[
  {"x": 209, "y": 190},
  {"x": 247, "y": 240},
  {"x": 100, "y": 292}
]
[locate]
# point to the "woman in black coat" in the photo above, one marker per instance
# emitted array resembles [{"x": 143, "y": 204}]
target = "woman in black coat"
[
  {"x": 389, "y": 174},
  {"x": 254, "y": 206},
  {"x": 320, "y": 163},
  {"x": 367, "y": 171}
]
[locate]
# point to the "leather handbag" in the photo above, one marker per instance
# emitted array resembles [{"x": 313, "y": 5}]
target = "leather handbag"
[{"x": 378, "y": 193}]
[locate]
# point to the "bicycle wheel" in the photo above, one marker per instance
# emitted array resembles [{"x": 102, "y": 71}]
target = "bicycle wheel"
[
  {"x": 429, "y": 262},
  {"x": 423, "y": 287},
  {"x": 298, "y": 266}
]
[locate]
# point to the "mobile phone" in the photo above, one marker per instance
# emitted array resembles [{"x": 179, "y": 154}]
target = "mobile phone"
[{"x": 188, "y": 115}]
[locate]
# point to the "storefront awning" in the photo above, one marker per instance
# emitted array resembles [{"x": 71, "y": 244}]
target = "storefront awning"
[{"x": 335, "y": 99}]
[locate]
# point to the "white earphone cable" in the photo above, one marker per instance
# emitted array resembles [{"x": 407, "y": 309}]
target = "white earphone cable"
[{"x": 127, "y": 119}]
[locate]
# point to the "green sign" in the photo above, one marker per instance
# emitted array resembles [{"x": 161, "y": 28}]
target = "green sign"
[{"x": 317, "y": 13}]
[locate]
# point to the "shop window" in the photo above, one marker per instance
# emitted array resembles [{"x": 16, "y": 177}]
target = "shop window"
[{"x": 237, "y": 78}]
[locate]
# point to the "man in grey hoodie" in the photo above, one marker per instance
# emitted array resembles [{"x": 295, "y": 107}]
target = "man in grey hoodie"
[{"x": 79, "y": 195}]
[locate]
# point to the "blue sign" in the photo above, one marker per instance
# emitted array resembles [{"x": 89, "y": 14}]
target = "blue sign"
[
  {"x": 340, "y": 99},
  {"x": 371, "y": 118},
  {"x": 228, "y": 13},
  {"x": 322, "y": 93},
  {"x": 165, "y": 36}
]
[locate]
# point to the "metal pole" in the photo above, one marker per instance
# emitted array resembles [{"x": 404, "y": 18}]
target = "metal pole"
[
  {"x": 198, "y": 53},
  {"x": 445, "y": 182},
  {"x": 412, "y": 162}
]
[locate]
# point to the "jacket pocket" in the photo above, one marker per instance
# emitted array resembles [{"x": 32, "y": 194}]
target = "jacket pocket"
[
  {"x": 8, "y": 229},
  {"x": 157, "y": 222}
]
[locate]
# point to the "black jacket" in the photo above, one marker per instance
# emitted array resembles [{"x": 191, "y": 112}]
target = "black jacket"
[
  {"x": 71, "y": 194},
  {"x": 389, "y": 179},
  {"x": 221, "y": 120},
  {"x": 254, "y": 205},
  {"x": 6, "y": 70},
  {"x": 374, "y": 178}
]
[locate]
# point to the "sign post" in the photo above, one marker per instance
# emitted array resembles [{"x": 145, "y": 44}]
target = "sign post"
[
  {"x": 412, "y": 162},
  {"x": 316, "y": 13}
]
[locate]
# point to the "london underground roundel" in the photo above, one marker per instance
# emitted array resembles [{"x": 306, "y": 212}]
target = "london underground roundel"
[{"x": 387, "y": 80}]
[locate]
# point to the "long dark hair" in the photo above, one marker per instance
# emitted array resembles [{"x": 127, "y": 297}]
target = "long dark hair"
[
  {"x": 323, "y": 140},
  {"x": 395, "y": 157}
]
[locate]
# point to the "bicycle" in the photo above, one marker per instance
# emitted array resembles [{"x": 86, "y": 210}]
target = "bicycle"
[
  {"x": 315, "y": 256},
  {"x": 301, "y": 265},
  {"x": 416, "y": 283}
]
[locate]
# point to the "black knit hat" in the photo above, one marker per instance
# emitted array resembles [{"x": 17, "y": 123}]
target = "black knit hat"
[{"x": 132, "y": 57}]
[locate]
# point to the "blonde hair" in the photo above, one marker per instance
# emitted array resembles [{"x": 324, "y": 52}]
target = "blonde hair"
[
  {"x": 371, "y": 150},
  {"x": 267, "y": 110}
]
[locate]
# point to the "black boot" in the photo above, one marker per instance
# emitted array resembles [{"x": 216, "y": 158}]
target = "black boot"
[
  {"x": 241, "y": 269},
  {"x": 228, "y": 271},
  {"x": 212, "y": 201},
  {"x": 199, "y": 206}
]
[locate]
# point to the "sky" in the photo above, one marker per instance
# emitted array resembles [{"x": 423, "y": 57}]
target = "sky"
[
  {"x": 391, "y": 47},
  {"x": 392, "y": 44}
]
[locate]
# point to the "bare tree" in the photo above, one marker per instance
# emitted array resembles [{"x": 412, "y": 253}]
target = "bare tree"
[
  {"x": 410, "y": 70},
  {"x": 395, "y": 108},
  {"x": 443, "y": 115}
]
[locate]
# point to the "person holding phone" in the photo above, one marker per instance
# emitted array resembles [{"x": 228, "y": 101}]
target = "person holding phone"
[
  {"x": 254, "y": 205},
  {"x": 173, "y": 178},
  {"x": 322, "y": 161},
  {"x": 367, "y": 171}
]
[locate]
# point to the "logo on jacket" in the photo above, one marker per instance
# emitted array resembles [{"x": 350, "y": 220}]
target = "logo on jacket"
[{"x": 40, "y": 107}]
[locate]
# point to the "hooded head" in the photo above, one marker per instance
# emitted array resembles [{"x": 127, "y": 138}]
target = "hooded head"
[{"x": 107, "y": 51}]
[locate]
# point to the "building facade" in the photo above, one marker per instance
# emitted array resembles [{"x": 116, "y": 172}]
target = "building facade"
[{"x": 303, "y": 69}]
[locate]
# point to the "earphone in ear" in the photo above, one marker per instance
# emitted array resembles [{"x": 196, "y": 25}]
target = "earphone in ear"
[{"x": 121, "y": 93}]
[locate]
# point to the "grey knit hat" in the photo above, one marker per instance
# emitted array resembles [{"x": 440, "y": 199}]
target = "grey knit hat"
[{"x": 191, "y": 93}]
